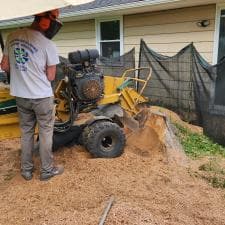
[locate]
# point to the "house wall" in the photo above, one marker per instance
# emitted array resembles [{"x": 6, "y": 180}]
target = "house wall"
[
  {"x": 166, "y": 32},
  {"x": 76, "y": 36},
  {"x": 169, "y": 31},
  {"x": 72, "y": 36}
]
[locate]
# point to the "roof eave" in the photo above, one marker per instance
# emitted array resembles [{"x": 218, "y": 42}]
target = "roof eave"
[{"x": 122, "y": 9}]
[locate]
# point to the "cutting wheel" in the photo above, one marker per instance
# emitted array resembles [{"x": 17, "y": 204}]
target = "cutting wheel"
[{"x": 91, "y": 89}]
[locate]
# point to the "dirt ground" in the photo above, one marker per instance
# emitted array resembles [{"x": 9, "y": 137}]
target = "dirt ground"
[{"x": 153, "y": 184}]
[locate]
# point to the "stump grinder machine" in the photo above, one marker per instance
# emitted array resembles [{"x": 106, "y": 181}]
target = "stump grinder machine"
[{"x": 91, "y": 108}]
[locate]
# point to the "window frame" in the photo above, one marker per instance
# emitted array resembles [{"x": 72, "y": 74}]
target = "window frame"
[
  {"x": 98, "y": 36},
  {"x": 219, "y": 8},
  {"x": 212, "y": 106}
]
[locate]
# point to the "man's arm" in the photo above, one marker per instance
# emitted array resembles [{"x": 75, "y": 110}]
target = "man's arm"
[
  {"x": 51, "y": 71},
  {"x": 5, "y": 63}
]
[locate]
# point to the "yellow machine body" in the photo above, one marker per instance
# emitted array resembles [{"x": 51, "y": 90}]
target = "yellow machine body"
[
  {"x": 116, "y": 90},
  {"x": 9, "y": 123},
  {"x": 9, "y": 126},
  {"x": 127, "y": 97}
]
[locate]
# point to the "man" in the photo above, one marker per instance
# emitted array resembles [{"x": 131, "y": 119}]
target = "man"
[{"x": 31, "y": 59}]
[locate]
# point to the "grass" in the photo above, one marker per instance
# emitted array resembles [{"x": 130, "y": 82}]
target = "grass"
[
  {"x": 215, "y": 180},
  {"x": 213, "y": 173},
  {"x": 197, "y": 145}
]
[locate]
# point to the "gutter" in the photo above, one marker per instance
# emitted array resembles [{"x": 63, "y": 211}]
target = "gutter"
[
  {"x": 92, "y": 13},
  {"x": 116, "y": 8},
  {"x": 88, "y": 13}
]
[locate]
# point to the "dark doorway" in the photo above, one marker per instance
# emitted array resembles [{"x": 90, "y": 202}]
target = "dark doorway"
[{"x": 220, "y": 80}]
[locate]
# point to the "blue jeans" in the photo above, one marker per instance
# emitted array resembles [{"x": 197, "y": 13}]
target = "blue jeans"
[{"x": 34, "y": 112}]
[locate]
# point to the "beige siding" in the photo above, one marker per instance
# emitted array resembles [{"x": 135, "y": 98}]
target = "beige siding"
[
  {"x": 76, "y": 36},
  {"x": 73, "y": 36},
  {"x": 169, "y": 31},
  {"x": 165, "y": 32}
]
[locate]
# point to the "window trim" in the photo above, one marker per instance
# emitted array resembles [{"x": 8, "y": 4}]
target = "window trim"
[
  {"x": 219, "y": 8},
  {"x": 212, "y": 106},
  {"x": 97, "y": 30}
]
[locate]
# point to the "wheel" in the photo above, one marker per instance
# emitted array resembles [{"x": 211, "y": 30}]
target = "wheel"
[{"x": 104, "y": 139}]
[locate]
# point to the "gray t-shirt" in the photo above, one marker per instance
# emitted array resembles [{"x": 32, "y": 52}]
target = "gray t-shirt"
[{"x": 29, "y": 53}]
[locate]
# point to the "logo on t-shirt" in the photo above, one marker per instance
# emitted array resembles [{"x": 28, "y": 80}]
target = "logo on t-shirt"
[{"x": 21, "y": 56}]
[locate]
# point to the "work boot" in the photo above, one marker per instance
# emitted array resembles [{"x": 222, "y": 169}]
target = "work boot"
[
  {"x": 56, "y": 170},
  {"x": 27, "y": 174}
]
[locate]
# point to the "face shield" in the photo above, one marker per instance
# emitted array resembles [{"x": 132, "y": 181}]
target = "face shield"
[
  {"x": 49, "y": 23},
  {"x": 53, "y": 29}
]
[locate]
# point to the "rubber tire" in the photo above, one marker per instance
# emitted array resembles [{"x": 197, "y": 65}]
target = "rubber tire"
[{"x": 95, "y": 136}]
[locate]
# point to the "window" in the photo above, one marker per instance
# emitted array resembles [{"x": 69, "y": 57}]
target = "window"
[
  {"x": 219, "y": 54},
  {"x": 109, "y": 37},
  {"x": 221, "y": 44},
  {"x": 219, "y": 38}
]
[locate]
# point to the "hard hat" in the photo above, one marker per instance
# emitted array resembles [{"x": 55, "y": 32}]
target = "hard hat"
[{"x": 44, "y": 19}]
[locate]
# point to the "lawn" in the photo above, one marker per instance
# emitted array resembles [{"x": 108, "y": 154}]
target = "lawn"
[{"x": 200, "y": 147}]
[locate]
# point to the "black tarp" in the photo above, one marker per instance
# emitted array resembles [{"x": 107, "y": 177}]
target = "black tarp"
[
  {"x": 108, "y": 66},
  {"x": 189, "y": 85},
  {"x": 117, "y": 66}
]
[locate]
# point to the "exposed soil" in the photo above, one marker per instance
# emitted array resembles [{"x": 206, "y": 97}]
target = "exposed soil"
[{"x": 149, "y": 188}]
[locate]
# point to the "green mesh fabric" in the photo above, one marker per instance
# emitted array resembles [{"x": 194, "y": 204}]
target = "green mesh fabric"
[
  {"x": 8, "y": 104},
  {"x": 188, "y": 85}
]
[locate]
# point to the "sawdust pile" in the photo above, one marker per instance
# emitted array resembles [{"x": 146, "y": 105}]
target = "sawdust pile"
[{"x": 148, "y": 187}]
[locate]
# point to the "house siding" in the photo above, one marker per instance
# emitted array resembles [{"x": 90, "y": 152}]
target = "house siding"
[
  {"x": 166, "y": 32},
  {"x": 76, "y": 36},
  {"x": 72, "y": 36},
  {"x": 169, "y": 31}
]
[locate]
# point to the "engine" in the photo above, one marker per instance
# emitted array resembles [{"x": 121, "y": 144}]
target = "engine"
[
  {"x": 79, "y": 90},
  {"x": 85, "y": 79}
]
